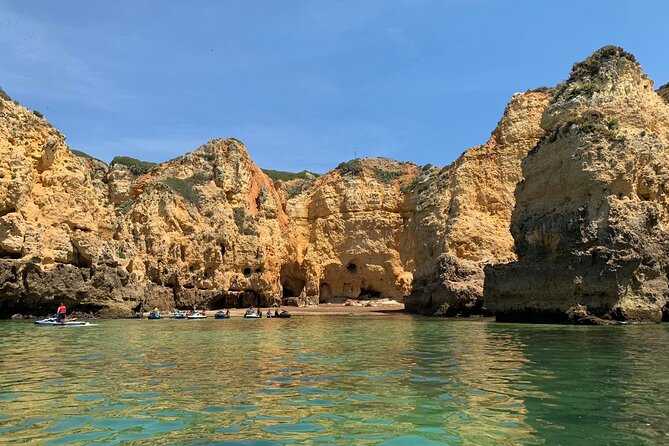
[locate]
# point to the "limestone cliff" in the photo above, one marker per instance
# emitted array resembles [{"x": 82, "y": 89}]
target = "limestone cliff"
[
  {"x": 591, "y": 224},
  {"x": 587, "y": 240},
  {"x": 56, "y": 224},
  {"x": 349, "y": 233},
  {"x": 205, "y": 229},
  {"x": 463, "y": 212}
]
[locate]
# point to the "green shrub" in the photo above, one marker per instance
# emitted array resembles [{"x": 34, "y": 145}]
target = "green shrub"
[
  {"x": 38, "y": 114},
  {"x": 592, "y": 65},
  {"x": 586, "y": 128},
  {"x": 287, "y": 176},
  {"x": 184, "y": 186},
  {"x": 354, "y": 167},
  {"x": 612, "y": 124},
  {"x": 586, "y": 89},
  {"x": 81, "y": 154},
  {"x": 386, "y": 176},
  {"x": 135, "y": 166}
]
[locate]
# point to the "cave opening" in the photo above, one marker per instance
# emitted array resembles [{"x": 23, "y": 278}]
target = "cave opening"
[
  {"x": 369, "y": 293},
  {"x": 352, "y": 268},
  {"x": 325, "y": 292},
  {"x": 10, "y": 255},
  {"x": 247, "y": 272},
  {"x": 292, "y": 280}
]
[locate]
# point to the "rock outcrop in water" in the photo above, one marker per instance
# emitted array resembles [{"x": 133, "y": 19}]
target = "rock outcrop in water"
[
  {"x": 591, "y": 224},
  {"x": 463, "y": 212}
]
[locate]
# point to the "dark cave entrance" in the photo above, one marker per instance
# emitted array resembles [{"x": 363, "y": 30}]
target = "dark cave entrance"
[{"x": 292, "y": 280}]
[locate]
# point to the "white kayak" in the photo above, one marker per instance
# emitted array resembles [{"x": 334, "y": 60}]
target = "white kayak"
[
  {"x": 197, "y": 315},
  {"x": 53, "y": 322},
  {"x": 252, "y": 316}
]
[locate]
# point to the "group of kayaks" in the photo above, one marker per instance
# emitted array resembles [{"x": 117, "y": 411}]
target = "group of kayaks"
[
  {"x": 178, "y": 314},
  {"x": 250, "y": 314}
]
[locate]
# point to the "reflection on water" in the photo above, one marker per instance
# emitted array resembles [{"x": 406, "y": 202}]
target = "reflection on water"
[{"x": 393, "y": 380}]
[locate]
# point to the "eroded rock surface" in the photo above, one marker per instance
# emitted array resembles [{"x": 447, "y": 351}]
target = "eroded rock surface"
[
  {"x": 349, "y": 233},
  {"x": 56, "y": 223},
  {"x": 463, "y": 212},
  {"x": 591, "y": 224},
  {"x": 587, "y": 241}
]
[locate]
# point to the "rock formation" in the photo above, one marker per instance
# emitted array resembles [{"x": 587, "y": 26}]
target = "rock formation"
[
  {"x": 463, "y": 212},
  {"x": 591, "y": 223},
  {"x": 206, "y": 228},
  {"x": 587, "y": 241},
  {"x": 56, "y": 224},
  {"x": 349, "y": 233}
]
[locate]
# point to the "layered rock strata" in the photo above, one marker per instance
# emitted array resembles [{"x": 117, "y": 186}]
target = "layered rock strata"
[
  {"x": 591, "y": 223},
  {"x": 463, "y": 212}
]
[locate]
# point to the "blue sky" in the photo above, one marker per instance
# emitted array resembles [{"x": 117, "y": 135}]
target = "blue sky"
[{"x": 305, "y": 84}]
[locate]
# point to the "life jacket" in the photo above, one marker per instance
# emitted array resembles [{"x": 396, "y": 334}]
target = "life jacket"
[{"x": 62, "y": 309}]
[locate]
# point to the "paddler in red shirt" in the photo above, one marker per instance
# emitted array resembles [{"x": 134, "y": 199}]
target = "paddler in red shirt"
[{"x": 60, "y": 314}]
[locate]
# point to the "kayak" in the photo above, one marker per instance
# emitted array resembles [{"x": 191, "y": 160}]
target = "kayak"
[
  {"x": 179, "y": 315},
  {"x": 221, "y": 315},
  {"x": 252, "y": 316},
  {"x": 196, "y": 315},
  {"x": 51, "y": 321},
  {"x": 154, "y": 316},
  {"x": 282, "y": 315}
]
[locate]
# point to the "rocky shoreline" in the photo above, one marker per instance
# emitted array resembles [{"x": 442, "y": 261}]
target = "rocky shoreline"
[{"x": 562, "y": 216}]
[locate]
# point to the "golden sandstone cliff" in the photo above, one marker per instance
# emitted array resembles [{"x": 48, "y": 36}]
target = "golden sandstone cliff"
[
  {"x": 591, "y": 224},
  {"x": 582, "y": 237},
  {"x": 463, "y": 212}
]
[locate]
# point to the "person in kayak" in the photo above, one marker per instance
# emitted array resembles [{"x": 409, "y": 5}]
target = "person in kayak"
[{"x": 61, "y": 313}]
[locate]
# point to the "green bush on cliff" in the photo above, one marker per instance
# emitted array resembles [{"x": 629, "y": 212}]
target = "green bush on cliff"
[
  {"x": 135, "y": 166},
  {"x": 592, "y": 65},
  {"x": 185, "y": 186},
  {"x": 386, "y": 176},
  {"x": 81, "y": 154},
  {"x": 586, "y": 89},
  {"x": 353, "y": 167},
  {"x": 277, "y": 175}
]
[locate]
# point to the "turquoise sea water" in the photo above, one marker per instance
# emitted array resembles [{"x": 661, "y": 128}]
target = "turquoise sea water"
[{"x": 387, "y": 380}]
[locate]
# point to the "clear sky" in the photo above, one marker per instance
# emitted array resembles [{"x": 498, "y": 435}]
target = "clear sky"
[{"x": 304, "y": 84}]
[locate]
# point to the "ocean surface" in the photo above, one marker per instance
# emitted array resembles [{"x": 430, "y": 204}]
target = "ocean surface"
[{"x": 386, "y": 380}]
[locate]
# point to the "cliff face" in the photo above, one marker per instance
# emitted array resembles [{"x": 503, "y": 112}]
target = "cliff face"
[
  {"x": 56, "y": 223},
  {"x": 587, "y": 241},
  {"x": 463, "y": 212},
  {"x": 591, "y": 219},
  {"x": 205, "y": 229},
  {"x": 349, "y": 233}
]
